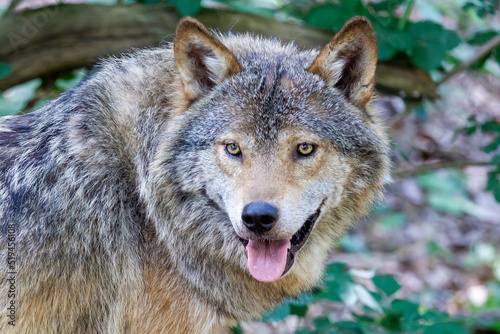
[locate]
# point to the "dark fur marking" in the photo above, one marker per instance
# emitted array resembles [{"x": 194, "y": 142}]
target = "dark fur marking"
[
  {"x": 20, "y": 197},
  {"x": 200, "y": 70},
  {"x": 349, "y": 72}
]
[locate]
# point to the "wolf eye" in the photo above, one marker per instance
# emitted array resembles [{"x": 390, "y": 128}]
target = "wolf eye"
[
  {"x": 306, "y": 149},
  {"x": 233, "y": 149}
]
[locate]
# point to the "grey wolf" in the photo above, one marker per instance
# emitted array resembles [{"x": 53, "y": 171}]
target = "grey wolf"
[{"x": 184, "y": 188}]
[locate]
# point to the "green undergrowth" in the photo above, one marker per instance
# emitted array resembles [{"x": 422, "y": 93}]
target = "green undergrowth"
[{"x": 372, "y": 310}]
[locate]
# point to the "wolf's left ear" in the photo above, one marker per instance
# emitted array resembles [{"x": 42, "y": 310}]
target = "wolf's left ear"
[
  {"x": 203, "y": 61},
  {"x": 348, "y": 62}
]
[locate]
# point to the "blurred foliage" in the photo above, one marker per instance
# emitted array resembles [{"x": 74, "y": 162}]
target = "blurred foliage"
[
  {"x": 5, "y": 70},
  {"x": 492, "y": 127},
  {"x": 373, "y": 311},
  {"x": 482, "y": 7},
  {"x": 447, "y": 192},
  {"x": 15, "y": 99},
  {"x": 425, "y": 43},
  {"x": 482, "y": 38}
]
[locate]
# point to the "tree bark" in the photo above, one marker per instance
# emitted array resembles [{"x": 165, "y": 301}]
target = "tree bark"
[{"x": 51, "y": 40}]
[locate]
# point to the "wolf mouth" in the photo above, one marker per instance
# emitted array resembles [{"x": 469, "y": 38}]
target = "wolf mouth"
[{"x": 298, "y": 240}]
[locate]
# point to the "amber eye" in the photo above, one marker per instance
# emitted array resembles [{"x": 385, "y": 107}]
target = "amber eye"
[
  {"x": 306, "y": 149},
  {"x": 233, "y": 149}
]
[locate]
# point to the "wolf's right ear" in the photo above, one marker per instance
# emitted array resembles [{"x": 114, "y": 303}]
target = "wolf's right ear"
[
  {"x": 348, "y": 62},
  {"x": 203, "y": 61}
]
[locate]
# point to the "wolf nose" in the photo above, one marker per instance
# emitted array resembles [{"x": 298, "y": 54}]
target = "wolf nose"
[{"x": 259, "y": 217}]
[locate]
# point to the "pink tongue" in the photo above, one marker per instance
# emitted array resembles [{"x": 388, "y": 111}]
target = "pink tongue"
[{"x": 267, "y": 259}]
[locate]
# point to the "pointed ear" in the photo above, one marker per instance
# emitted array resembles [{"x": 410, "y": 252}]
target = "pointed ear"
[
  {"x": 348, "y": 62},
  {"x": 203, "y": 61}
]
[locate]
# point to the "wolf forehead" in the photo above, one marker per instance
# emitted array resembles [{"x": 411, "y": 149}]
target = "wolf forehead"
[{"x": 274, "y": 91}]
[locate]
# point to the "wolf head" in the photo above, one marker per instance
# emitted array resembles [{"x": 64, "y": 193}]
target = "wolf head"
[{"x": 279, "y": 145}]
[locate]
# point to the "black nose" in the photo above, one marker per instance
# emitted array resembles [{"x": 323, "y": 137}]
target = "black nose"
[{"x": 259, "y": 217}]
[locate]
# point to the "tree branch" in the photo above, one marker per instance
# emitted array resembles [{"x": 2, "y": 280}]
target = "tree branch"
[
  {"x": 12, "y": 7},
  {"x": 55, "y": 39},
  {"x": 412, "y": 171},
  {"x": 483, "y": 51},
  {"x": 410, "y": 106}
]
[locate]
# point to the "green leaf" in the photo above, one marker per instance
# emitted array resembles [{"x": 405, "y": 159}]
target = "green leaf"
[
  {"x": 322, "y": 324},
  {"x": 279, "y": 313},
  {"x": 354, "y": 7},
  {"x": 493, "y": 180},
  {"x": 376, "y": 296},
  {"x": 302, "y": 299},
  {"x": 496, "y": 160},
  {"x": 386, "y": 283},
  {"x": 456, "y": 203},
  {"x": 385, "y": 49},
  {"x": 490, "y": 126},
  {"x": 482, "y": 37},
  {"x": 304, "y": 331},
  {"x": 188, "y": 7},
  {"x": 445, "y": 328},
  {"x": 385, "y": 6},
  {"x": 71, "y": 79},
  {"x": 392, "y": 220},
  {"x": 469, "y": 131},
  {"x": 445, "y": 182},
  {"x": 16, "y": 98},
  {"x": 432, "y": 43},
  {"x": 433, "y": 316},
  {"x": 364, "y": 318},
  {"x": 391, "y": 321},
  {"x": 496, "y": 192},
  {"x": 237, "y": 329},
  {"x": 328, "y": 17},
  {"x": 298, "y": 310},
  {"x": 434, "y": 248},
  {"x": 431, "y": 31},
  {"x": 352, "y": 244},
  {"x": 400, "y": 40},
  {"x": 336, "y": 268},
  {"x": 338, "y": 284},
  {"x": 491, "y": 147},
  {"x": 471, "y": 127},
  {"x": 349, "y": 327},
  {"x": 451, "y": 39},
  {"x": 428, "y": 54},
  {"x": 405, "y": 307},
  {"x": 482, "y": 7},
  {"x": 5, "y": 70}
]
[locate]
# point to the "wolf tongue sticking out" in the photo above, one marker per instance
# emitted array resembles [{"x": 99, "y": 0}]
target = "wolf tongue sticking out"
[{"x": 267, "y": 258}]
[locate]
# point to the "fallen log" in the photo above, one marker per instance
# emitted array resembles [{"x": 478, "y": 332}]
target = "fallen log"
[{"x": 48, "y": 41}]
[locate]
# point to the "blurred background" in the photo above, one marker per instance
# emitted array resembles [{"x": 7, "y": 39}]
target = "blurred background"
[{"x": 427, "y": 260}]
